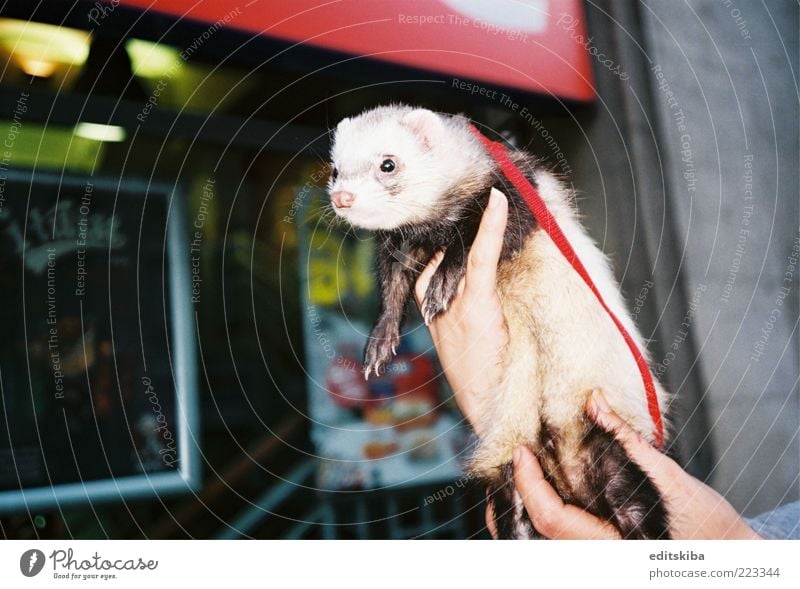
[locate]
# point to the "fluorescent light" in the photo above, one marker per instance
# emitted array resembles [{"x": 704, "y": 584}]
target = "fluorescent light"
[
  {"x": 100, "y": 132},
  {"x": 37, "y": 67},
  {"x": 40, "y": 42},
  {"x": 152, "y": 60}
]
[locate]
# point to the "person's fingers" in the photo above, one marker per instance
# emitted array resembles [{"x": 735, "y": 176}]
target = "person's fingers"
[
  {"x": 424, "y": 278},
  {"x": 485, "y": 251},
  {"x": 549, "y": 514},
  {"x": 659, "y": 466},
  {"x": 491, "y": 524},
  {"x": 460, "y": 287}
]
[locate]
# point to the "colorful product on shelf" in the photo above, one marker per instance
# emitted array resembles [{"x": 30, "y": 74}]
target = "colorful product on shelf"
[{"x": 345, "y": 382}]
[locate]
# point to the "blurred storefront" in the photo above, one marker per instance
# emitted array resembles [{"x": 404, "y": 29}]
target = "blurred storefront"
[{"x": 219, "y": 115}]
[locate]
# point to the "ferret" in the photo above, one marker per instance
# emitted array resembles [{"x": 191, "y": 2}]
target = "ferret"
[{"x": 421, "y": 181}]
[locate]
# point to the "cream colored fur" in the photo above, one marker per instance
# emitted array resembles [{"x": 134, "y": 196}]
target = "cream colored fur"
[{"x": 562, "y": 344}]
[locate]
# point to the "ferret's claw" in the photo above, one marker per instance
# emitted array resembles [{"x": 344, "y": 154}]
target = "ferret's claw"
[
  {"x": 381, "y": 349},
  {"x": 429, "y": 314}
]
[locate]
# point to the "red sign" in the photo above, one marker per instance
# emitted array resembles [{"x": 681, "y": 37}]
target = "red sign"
[{"x": 532, "y": 45}]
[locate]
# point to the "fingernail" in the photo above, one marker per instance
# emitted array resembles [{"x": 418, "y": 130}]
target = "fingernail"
[
  {"x": 600, "y": 402},
  {"x": 495, "y": 197},
  {"x": 516, "y": 456}
]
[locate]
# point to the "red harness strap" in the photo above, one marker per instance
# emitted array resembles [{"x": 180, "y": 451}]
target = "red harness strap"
[{"x": 546, "y": 220}]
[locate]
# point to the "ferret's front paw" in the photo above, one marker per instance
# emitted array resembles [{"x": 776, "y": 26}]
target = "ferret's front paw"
[
  {"x": 431, "y": 309},
  {"x": 381, "y": 349},
  {"x": 440, "y": 293}
]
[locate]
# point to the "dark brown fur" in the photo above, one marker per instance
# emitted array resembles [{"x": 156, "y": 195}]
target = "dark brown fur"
[
  {"x": 614, "y": 489},
  {"x": 404, "y": 252}
]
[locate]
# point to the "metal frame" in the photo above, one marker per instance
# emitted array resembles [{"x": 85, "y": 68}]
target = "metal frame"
[{"x": 186, "y": 478}]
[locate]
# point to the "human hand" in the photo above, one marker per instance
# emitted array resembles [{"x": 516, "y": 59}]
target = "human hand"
[
  {"x": 471, "y": 335},
  {"x": 696, "y": 511}
]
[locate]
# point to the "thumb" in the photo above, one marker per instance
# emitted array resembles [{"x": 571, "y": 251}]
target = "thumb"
[
  {"x": 485, "y": 252},
  {"x": 662, "y": 469}
]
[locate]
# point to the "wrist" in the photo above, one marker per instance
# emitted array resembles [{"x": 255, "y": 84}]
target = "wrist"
[
  {"x": 745, "y": 532},
  {"x": 467, "y": 404}
]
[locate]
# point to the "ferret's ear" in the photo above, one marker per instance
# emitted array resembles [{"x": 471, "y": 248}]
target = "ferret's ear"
[
  {"x": 425, "y": 124},
  {"x": 342, "y": 124}
]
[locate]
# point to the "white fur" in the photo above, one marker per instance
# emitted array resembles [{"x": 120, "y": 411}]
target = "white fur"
[{"x": 427, "y": 165}]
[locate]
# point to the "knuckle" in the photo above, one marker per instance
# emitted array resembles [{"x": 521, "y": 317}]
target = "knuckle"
[
  {"x": 634, "y": 438},
  {"x": 476, "y": 259},
  {"x": 546, "y": 523},
  {"x": 419, "y": 290}
]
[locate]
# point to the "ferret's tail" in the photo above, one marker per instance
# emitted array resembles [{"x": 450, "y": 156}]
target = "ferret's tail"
[
  {"x": 616, "y": 490},
  {"x": 511, "y": 518},
  {"x": 621, "y": 492}
]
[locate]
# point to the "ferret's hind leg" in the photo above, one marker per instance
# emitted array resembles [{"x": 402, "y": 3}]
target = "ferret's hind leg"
[
  {"x": 510, "y": 516},
  {"x": 621, "y": 492}
]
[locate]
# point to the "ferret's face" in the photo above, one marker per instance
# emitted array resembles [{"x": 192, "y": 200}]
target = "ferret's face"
[{"x": 386, "y": 172}]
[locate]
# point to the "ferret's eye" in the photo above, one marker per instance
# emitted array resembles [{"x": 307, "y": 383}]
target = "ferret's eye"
[
  {"x": 334, "y": 173},
  {"x": 388, "y": 166}
]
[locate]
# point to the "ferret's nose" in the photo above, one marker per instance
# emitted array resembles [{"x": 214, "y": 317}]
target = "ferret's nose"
[{"x": 343, "y": 199}]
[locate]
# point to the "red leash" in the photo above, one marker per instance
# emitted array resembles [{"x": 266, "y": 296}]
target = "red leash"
[{"x": 549, "y": 224}]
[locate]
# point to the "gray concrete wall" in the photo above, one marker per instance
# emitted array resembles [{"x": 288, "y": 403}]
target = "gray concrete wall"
[{"x": 729, "y": 149}]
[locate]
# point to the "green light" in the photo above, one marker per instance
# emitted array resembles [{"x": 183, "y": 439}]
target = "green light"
[
  {"x": 152, "y": 60},
  {"x": 97, "y": 132},
  {"x": 52, "y": 147}
]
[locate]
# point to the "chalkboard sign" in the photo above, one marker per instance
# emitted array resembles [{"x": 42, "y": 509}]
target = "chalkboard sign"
[{"x": 97, "y": 356}]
